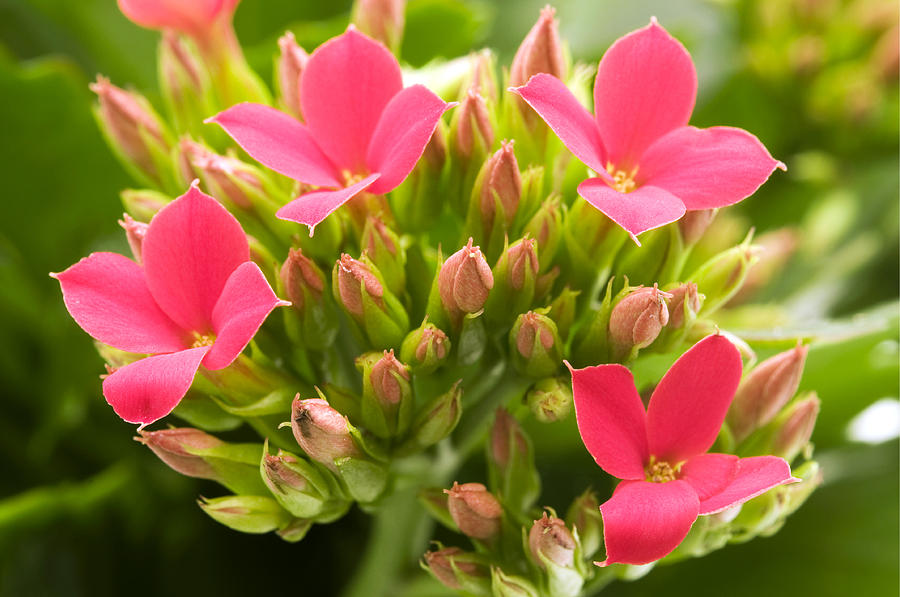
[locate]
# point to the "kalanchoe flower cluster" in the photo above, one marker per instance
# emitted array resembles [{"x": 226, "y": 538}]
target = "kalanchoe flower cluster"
[{"x": 454, "y": 271}]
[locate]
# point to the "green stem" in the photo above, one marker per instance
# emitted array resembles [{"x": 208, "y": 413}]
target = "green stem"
[{"x": 603, "y": 577}]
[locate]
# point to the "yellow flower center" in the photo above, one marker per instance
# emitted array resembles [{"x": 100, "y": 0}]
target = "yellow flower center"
[
  {"x": 350, "y": 178},
  {"x": 622, "y": 181},
  {"x": 203, "y": 340},
  {"x": 661, "y": 472}
]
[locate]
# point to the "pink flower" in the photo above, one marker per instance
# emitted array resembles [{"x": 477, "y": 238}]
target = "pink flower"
[
  {"x": 668, "y": 478},
  {"x": 363, "y": 130},
  {"x": 197, "y": 300},
  {"x": 652, "y": 166},
  {"x": 193, "y": 17}
]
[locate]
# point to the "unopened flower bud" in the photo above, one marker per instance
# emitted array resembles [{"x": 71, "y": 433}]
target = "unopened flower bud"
[
  {"x": 382, "y": 20},
  {"x": 723, "y": 275},
  {"x": 482, "y": 76},
  {"x": 228, "y": 179},
  {"x": 322, "y": 432},
  {"x": 302, "y": 279},
  {"x": 132, "y": 126},
  {"x": 500, "y": 186},
  {"x": 540, "y": 51},
  {"x": 291, "y": 62},
  {"x": 545, "y": 226},
  {"x": 134, "y": 232},
  {"x": 176, "y": 448},
  {"x": 775, "y": 249},
  {"x": 694, "y": 223},
  {"x": 550, "y": 399},
  {"x": 515, "y": 275},
  {"x": 458, "y": 570},
  {"x": 295, "y": 484},
  {"x": 382, "y": 246},
  {"x": 535, "y": 345},
  {"x": 636, "y": 321},
  {"x": 143, "y": 204},
  {"x": 562, "y": 310},
  {"x": 549, "y": 539},
  {"x": 475, "y": 511},
  {"x": 247, "y": 513},
  {"x": 425, "y": 348},
  {"x": 511, "y": 462},
  {"x": 435, "y": 153},
  {"x": 685, "y": 301},
  {"x": 185, "y": 83},
  {"x": 465, "y": 281},
  {"x": 353, "y": 279},
  {"x": 439, "y": 418},
  {"x": 584, "y": 517},
  {"x": 387, "y": 378},
  {"x": 765, "y": 390},
  {"x": 359, "y": 288},
  {"x": 387, "y": 402},
  {"x": 471, "y": 131},
  {"x": 503, "y": 585},
  {"x": 795, "y": 427}
]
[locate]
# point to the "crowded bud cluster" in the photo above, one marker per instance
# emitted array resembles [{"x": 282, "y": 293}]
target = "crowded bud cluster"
[{"x": 352, "y": 276}]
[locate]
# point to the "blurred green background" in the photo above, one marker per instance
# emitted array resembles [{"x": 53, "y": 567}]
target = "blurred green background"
[{"x": 86, "y": 511}]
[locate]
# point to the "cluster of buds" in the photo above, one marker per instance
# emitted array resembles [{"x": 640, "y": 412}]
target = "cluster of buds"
[{"x": 388, "y": 185}]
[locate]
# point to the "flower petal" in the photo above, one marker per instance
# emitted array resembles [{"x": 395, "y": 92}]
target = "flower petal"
[
  {"x": 189, "y": 17},
  {"x": 403, "y": 131},
  {"x": 107, "y": 295},
  {"x": 611, "y": 419},
  {"x": 707, "y": 168},
  {"x": 709, "y": 474},
  {"x": 754, "y": 477},
  {"x": 147, "y": 390},
  {"x": 191, "y": 247},
  {"x": 688, "y": 406},
  {"x": 640, "y": 210},
  {"x": 344, "y": 88},
  {"x": 312, "y": 208},
  {"x": 575, "y": 127},
  {"x": 643, "y": 521},
  {"x": 646, "y": 86},
  {"x": 279, "y": 141},
  {"x": 246, "y": 301}
]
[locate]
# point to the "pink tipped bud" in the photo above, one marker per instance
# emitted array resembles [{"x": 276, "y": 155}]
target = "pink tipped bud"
[
  {"x": 540, "y": 51},
  {"x": 291, "y": 63},
  {"x": 797, "y": 424},
  {"x": 425, "y": 348},
  {"x": 386, "y": 376},
  {"x": 181, "y": 70},
  {"x": 229, "y": 179},
  {"x": 134, "y": 232},
  {"x": 482, "y": 77},
  {"x": 765, "y": 391},
  {"x": 456, "y": 569},
  {"x": 501, "y": 182},
  {"x": 636, "y": 321},
  {"x": 175, "y": 447},
  {"x": 584, "y": 516},
  {"x": 523, "y": 262},
  {"x": 475, "y": 511},
  {"x": 694, "y": 223},
  {"x": 532, "y": 332},
  {"x": 506, "y": 436},
  {"x": 301, "y": 276},
  {"x": 550, "y": 539},
  {"x": 321, "y": 431},
  {"x": 279, "y": 476},
  {"x": 465, "y": 280},
  {"x": 131, "y": 125},
  {"x": 143, "y": 204},
  {"x": 536, "y": 344},
  {"x": 685, "y": 299},
  {"x": 353, "y": 278},
  {"x": 382, "y": 20},
  {"x": 473, "y": 129}
]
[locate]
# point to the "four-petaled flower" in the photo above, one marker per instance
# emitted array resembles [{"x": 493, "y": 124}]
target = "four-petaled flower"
[
  {"x": 194, "y": 17},
  {"x": 668, "y": 479},
  {"x": 197, "y": 300},
  {"x": 363, "y": 131},
  {"x": 651, "y": 166}
]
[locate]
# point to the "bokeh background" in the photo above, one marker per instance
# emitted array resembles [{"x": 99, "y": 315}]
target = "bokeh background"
[{"x": 86, "y": 511}]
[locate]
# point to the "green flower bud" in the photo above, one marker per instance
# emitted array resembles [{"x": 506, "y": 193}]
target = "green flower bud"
[
  {"x": 459, "y": 570},
  {"x": 511, "y": 463},
  {"x": 795, "y": 427},
  {"x": 246, "y": 513},
  {"x": 722, "y": 276},
  {"x": 439, "y": 418},
  {"x": 297, "y": 486},
  {"x": 383, "y": 247},
  {"x": 289, "y": 68},
  {"x": 425, "y": 348},
  {"x": 311, "y": 320},
  {"x": 563, "y": 309},
  {"x": 185, "y": 83},
  {"x": 515, "y": 276},
  {"x": 503, "y": 585},
  {"x": 550, "y": 399},
  {"x": 358, "y": 287},
  {"x": 387, "y": 401},
  {"x": 143, "y": 204},
  {"x": 584, "y": 517},
  {"x": 545, "y": 226}
]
